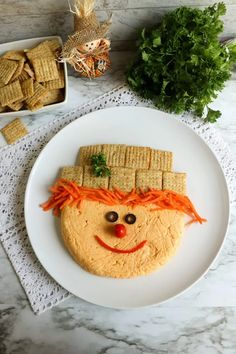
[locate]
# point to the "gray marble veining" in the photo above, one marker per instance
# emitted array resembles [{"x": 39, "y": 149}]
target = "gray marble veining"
[
  {"x": 88, "y": 329},
  {"x": 25, "y": 19},
  {"x": 49, "y": 6},
  {"x": 200, "y": 321}
]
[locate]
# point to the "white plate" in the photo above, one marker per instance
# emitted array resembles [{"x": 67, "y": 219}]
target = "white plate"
[
  {"x": 27, "y": 44},
  {"x": 206, "y": 187}
]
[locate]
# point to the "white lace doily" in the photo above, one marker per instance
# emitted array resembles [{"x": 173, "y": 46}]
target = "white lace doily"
[{"x": 16, "y": 162}]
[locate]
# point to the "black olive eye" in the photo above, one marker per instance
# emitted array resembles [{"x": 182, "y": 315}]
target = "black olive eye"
[
  {"x": 130, "y": 218},
  {"x": 112, "y": 216}
]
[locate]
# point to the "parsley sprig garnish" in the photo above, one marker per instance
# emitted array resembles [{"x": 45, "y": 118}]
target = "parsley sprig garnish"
[
  {"x": 99, "y": 165},
  {"x": 181, "y": 64}
]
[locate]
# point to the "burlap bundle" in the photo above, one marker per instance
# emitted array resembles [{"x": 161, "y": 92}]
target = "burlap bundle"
[{"x": 87, "y": 28}]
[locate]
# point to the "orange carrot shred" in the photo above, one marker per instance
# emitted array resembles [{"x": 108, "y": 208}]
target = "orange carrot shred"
[{"x": 66, "y": 193}]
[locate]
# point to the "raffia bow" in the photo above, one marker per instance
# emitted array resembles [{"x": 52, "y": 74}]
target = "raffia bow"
[{"x": 83, "y": 62}]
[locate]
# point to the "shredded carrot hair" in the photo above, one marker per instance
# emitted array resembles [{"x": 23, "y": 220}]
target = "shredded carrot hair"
[{"x": 66, "y": 192}]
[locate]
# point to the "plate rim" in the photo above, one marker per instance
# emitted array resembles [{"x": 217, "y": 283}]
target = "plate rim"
[{"x": 171, "y": 116}]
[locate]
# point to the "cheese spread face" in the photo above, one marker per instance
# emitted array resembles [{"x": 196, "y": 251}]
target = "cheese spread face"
[{"x": 162, "y": 230}]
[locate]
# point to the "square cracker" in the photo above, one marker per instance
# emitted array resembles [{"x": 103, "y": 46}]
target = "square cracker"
[
  {"x": 29, "y": 71},
  {"x": 27, "y": 87},
  {"x": 16, "y": 106},
  {"x": 2, "y": 109},
  {"x": 10, "y": 93},
  {"x": 14, "y": 131},
  {"x": 122, "y": 178},
  {"x": 115, "y": 154},
  {"x": 7, "y": 70},
  {"x": 91, "y": 181},
  {"x": 52, "y": 96},
  {"x": 57, "y": 83},
  {"x": 39, "y": 93},
  {"x": 146, "y": 179},
  {"x": 161, "y": 160},
  {"x": 45, "y": 69},
  {"x": 18, "y": 69},
  {"x": 137, "y": 157},
  {"x": 53, "y": 44},
  {"x": 15, "y": 55},
  {"x": 85, "y": 153},
  {"x": 40, "y": 51},
  {"x": 73, "y": 173},
  {"x": 175, "y": 182},
  {"x": 36, "y": 106},
  {"x": 23, "y": 76}
]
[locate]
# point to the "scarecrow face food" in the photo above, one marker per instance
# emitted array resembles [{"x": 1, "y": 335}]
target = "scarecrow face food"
[
  {"x": 128, "y": 222},
  {"x": 147, "y": 244}
]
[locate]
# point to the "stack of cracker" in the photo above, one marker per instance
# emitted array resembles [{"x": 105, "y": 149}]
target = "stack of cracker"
[
  {"x": 31, "y": 78},
  {"x": 130, "y": 166}
]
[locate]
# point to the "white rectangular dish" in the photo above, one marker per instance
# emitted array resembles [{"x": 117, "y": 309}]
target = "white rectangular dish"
[{"x": 27, "y": 44}]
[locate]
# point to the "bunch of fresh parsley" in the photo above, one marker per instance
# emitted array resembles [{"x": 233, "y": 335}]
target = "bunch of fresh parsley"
[
  {"x": 181, "y": 64},
  {"x": 99, "y": 165}
]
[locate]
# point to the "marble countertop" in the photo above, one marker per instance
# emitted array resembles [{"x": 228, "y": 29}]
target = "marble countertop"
[{"x": 202, "y": 320}]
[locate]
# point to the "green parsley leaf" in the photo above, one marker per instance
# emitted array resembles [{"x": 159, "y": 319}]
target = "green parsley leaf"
[
  {"x": 180, "y": 64},
  {"x": 99, "y": 166},
  {"x": 156, "y": 41},
  {"x": 212, "y": 115}
]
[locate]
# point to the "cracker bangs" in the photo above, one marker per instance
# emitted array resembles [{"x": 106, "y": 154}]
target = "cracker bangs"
[{"x": 68, "y": 193}]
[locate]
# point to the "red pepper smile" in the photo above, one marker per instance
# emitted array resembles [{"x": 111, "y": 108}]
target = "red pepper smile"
[{"x": 117, "y": 250}]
